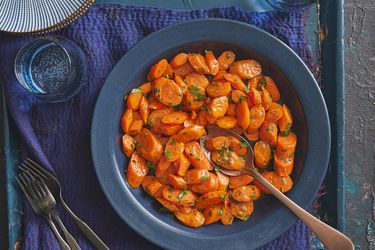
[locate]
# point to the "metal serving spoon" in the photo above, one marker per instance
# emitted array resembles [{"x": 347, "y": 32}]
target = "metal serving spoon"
[{"x": 329, "y": 236}]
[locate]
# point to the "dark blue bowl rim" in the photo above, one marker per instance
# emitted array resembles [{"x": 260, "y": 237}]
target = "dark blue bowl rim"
[{"x": 231, "y": 32}]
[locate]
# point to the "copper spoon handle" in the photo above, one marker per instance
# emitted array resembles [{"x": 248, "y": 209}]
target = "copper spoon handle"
[{"x": 330, "y": 237}]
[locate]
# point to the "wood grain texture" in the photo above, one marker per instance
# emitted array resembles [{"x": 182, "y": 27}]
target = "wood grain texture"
[{"x": 359, "y": 179}]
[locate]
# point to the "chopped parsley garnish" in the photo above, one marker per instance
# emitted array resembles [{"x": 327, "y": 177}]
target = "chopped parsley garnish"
[
  {"x": 222, "y": 196},
  {"x": 262, "y": 84},
  {"x": 147, "y": 95},
  {"x": 246, "y": 89},
  {"x": 156, "y": 90},
  {"x": 205, "y": 51},
  {"x": 246, "y": 218},
  {"x": 150, "y": 164},
  {"x": 166, "y": 76},
  {"x": 204, "y": 177},
  {"x": 291, "y": 154},
  {"x": 182, "y": 194},
  {"x": 241, "y": 98},
  {"x": 285, "y": 133},
  {"x": 283, "y": 180},
  {"x": 181, "y": 94},
  {"x": 172, "y": 142},
  {"x": 167, "y": 154},
  {"x": 228, "y": 55},
  {"x": 125, "y": 97},
  {"x": 149, "y": 122},
  {"x": 185, "y": 133},
  {"x": 230, "y": 100},
  {"x": 288, "y": 126},
  {"x": 243, "y": 144},
  {"x": 220, "y": 212},
  {"x": 195, "y": 67},
  {"x": 204, "y": 107},
  {"x": 252, "y": 116}
]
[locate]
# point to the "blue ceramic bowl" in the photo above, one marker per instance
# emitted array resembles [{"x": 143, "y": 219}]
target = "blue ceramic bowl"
[{"x": 299, "y": 90}]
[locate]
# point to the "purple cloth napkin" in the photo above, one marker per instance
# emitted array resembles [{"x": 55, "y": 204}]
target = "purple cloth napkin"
[{"x": 58, "y": 134}]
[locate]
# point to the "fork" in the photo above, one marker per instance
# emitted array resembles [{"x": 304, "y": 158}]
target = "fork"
[
  {"x": 47, "y": 203},
  {"x": 54, "y": 186},
  {"x": 26, "y": 189}
]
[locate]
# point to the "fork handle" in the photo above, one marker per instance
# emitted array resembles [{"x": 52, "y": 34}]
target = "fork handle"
[
  {"x": 85, "y": 229},
  {"x": 69, "y": 238},
  {"x": 62, "y": 243}
]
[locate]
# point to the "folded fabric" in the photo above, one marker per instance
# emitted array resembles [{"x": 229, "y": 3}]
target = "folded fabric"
[{"x": 58, "y": 134}]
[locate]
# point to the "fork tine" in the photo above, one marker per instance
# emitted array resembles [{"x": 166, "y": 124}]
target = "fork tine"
[
  {"x": 25, "y": 168},
  {"x": 41, "y": 187},
  {"x": 26, "y": 182},
  {"x": 32, "y": 184},
  {"x": 36, "y": 167},
  {"x": 22, "y": 184}
]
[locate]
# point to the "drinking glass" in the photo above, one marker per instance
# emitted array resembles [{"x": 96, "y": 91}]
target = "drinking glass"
[{"x": 51, "y": 68}]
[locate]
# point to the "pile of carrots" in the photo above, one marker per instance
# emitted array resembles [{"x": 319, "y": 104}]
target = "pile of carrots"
[{"x": 166, "y": 116}]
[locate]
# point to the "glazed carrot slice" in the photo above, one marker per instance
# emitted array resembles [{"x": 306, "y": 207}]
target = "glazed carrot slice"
[
  {"x": 223, "y": 181},
  {"x": 128, "y": 145},
  {"x": 211, "y": 119},
  {"x": 183, "y": 70},
  {"x": 212, "y": 63},
  {"x": 170, "y": 129},
  {"x": 246, "y": 69},
  {"x": 217, "y": 143},
  {"x": 231, "y": 111},
  {"x": 209, "y": 185},
  {"x": 219, "y": 75},
  {"x": 181, "y": 165},
  {"x": 173, "y": 149},
  {"x": 148, "y": 146},
  {"x": 257, "y": 82},
  {"x": 191, "y": 133},
  {"x": 242, "y": 210},
  {"x": 286, "y": 145},
  {"x": 144, "y": 109},
  {"x": 168, "y": 72},
  {"x": 136, "y": 116},
  {"x": 228, "y": 160},
  {"x": 126, "y": 120},
  {"x": 151, "y": 185},
  {"x": 145, "y": 88},
  {"x": 268, "y": 133},
  {"x": 266, "y": 99},
  {"x": 193, "y": 116},
  {"x": 243, "y": 115},
  {"x": 226, "y": 59},
  {"x": 167, "y": 91},
  {"x": 282, "y": 183},
  {"x": 135, "y": 127},
  {"x": 241, "y": 180},
  {"x": 177, "y": 117},
  {"x": 162, "y": 167},
  {"x": 212, "y": 214},
  {"x": 201, "y": 119},
  {"x": 154, "y": 103},
  {"x": 196, "y": 156},
  {"x": 253, "y": 136},
  {"x": 227, "y": 217},
  {"x": 246, "y": 193},
  {"x": 262, "y": 154},
  {"x": 179, "y": 60},
  {"x": 194, "y": 79},
  {"x": 195, "y": 97},
  {"x": 227, "y": 122},
  {"x": 180, "y": 82},
  {"x": 190, "y": 217},
  {"x": 274, "y": 113},
  {"x": 196, "y": 176},
  {"x": 271, "y": 87},
  {"x": 136, "y": 171},
  {"x": 283, "y": 165},
  {"x": 218, "y": 89},
  {"x": 237, "y": 146},
  {"x": 163, "y": 141},
  {"x": 286, "y": 122},
  {"x": 198, "y": 62},
  {"x": 218, "y": 106},
  {"x": 155, "y": 119},
  {"x": 182, "y": 197},
  {"x": 238, "y": 96},
  {"x": 159, "y": 69},
  {"x": 168, "y": 205},
  {"x": 177, "y": 181},
  {"x": 255, "y": 97},
  {"x": 235, "y": 81},
  {"x": 134, "y": 99},
  {"x": 257, "y": 115},
  {"x": 210, "y": 199}
]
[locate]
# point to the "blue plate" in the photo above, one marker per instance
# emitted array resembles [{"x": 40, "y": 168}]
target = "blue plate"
[{"x": 299, "y": 91}]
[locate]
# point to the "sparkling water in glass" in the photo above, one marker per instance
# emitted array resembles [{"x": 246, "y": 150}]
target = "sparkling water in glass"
[
  {"x": 52, "y": 68},
  {"x": 286, "y": 5}
]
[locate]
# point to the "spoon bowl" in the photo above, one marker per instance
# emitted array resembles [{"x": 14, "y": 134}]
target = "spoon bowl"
[{"x": 329, "y": 236}]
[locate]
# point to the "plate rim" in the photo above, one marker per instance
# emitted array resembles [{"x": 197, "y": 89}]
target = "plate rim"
[{"x": 323, "y": 129}]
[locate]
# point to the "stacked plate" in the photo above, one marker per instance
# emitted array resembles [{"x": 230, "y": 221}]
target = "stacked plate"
[{"x": 39, "y": 16}]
